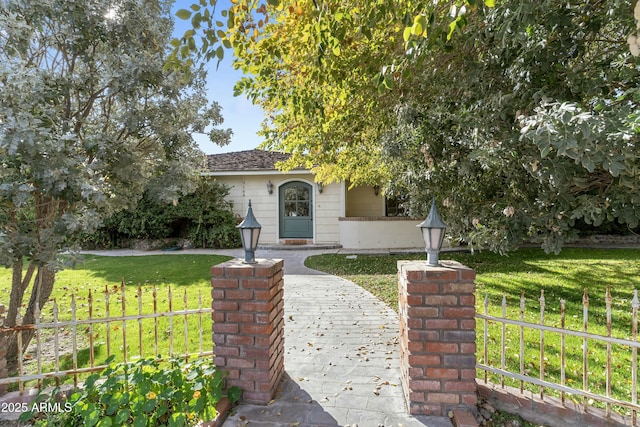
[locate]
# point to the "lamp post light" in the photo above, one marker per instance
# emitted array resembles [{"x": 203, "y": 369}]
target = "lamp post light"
[
  {"x": 433, "y": 234},
  {"x": 249, "y": 233}
]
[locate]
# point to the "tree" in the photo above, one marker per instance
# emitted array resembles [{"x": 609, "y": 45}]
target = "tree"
[
  {"x": 521, "y": 116},
  {"x": 327, "y": 73},
  {"x": 90, "y": 117},
  {"x": 530, "y": 129}
]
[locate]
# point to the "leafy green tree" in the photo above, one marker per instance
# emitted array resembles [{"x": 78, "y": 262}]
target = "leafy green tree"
[
  {"x": 328, "y": 74},
  {"x": 520, "y": 116},
  {"x": 530, "y": 128},
  {"x": 90, "y": 117}
]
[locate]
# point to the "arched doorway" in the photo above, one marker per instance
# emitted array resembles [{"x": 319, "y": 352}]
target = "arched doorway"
[{"x": 296, "y": 210}]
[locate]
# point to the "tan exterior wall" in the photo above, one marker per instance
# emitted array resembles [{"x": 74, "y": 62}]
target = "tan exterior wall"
[
  {"x": 327, "y": 206},
  {"x": 378, "y": 233},
  {"x": 363, "y": 201},
  {"x": 352, "y": 218}
]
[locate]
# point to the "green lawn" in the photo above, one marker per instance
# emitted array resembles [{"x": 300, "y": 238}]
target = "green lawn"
[
  {"x": 531, "y": 270},
  {"x": 187, "y": 276},
  {"x": 528, "y": 270}
]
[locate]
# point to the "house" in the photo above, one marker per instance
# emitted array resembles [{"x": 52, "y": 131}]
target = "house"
[{"x": 294, "y": 209}]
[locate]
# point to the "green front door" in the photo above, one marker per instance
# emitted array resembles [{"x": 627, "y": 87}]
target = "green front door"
[{"x": 296, "y": 210}]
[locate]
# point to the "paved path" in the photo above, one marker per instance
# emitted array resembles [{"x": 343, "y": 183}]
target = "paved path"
[
  {"x": 294, "y": 259},
  {"x": 342, "y": 364},
  {"x": 341, "y": 361}
]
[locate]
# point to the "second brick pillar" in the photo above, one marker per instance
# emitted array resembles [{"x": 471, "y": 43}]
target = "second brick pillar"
[
  {"x": 248, "y": 326},
  {"x": 437, "y": 337}
]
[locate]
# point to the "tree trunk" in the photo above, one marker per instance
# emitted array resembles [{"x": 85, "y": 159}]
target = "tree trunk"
[
  {"x": 40, "y": 293},
  {"x": 18, "y": 287},
  {"x": 16, "y": 294}
]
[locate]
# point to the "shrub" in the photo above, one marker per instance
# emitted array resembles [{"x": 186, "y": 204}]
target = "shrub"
[
  {"x": 148, "y": 392},
  {"x": 204, "y": 217}
]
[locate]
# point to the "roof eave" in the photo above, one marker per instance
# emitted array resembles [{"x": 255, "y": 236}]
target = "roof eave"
[{"x": 253, "y": 172}]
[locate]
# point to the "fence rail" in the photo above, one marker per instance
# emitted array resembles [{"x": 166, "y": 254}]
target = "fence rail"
[
  {"x": 629, "y": 346},
  {"x": 82, "y": 331}
]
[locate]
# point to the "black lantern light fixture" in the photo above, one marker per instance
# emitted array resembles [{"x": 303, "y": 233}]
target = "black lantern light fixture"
[
  {"x": 249, "y": 233},
  {"x": 270, "y": 187},
  {"x": 433, "y": 234}
]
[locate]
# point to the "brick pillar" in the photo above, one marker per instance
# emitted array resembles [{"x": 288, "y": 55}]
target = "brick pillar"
[
  {"x": 248, "y": 326},
  {"x": 437, "y": 337}
]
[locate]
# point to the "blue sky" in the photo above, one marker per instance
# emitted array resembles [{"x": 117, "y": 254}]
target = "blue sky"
[{"x": 239, "y": 113}]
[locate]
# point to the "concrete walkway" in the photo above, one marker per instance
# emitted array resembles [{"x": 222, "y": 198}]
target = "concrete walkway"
[
  {"x": 293, "y": 259},
  {"x": 342, "y": 364},
  {"x": 341, "y": 361}
]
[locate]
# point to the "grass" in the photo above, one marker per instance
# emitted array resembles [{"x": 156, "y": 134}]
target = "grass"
[
  {"x": 528, "y": 272},
  {"x": 187, "y": 276}
]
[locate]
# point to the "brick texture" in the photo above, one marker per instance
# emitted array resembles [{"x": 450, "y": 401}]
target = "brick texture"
[
  {"x": 248, "y": 328},
  {"x": 437, "y": 337}
]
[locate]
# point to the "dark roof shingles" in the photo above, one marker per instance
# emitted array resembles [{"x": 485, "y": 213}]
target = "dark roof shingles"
[{"x": 250, "y": 160}]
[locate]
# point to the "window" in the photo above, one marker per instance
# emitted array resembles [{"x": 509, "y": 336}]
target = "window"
[
  {"x": 397, "y": 205},
  {"x": 296, "y": 201}
]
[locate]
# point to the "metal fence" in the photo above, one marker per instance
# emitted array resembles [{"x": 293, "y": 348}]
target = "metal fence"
[
  {"x": 107, "y": 323},
  {"x": 565, "y": 352}
]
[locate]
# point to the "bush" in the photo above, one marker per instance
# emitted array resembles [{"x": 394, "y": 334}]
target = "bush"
[
  {"x": 149, "y": 392},
  {"x": 204, "y": 217}
]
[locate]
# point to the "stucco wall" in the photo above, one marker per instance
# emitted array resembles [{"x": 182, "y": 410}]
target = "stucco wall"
[
  {"x": 372, "y": 232},
  {"x": 363, "y": 201},
  {"x": 329, "y": 208}
]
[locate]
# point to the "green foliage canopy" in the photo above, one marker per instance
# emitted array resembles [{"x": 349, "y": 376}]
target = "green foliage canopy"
[
  {"x": 527, "y": 127},
  {"x": 203, "y": 216},
  {"x": 90, "y": 117},
  {"x": 521, "y": 117},
  {"x": 322, "y": 71}
]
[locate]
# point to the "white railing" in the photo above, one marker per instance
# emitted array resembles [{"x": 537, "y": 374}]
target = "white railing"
[
  {"x": 67, "y": 328},
  {"x": 556, "y": 355}
]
